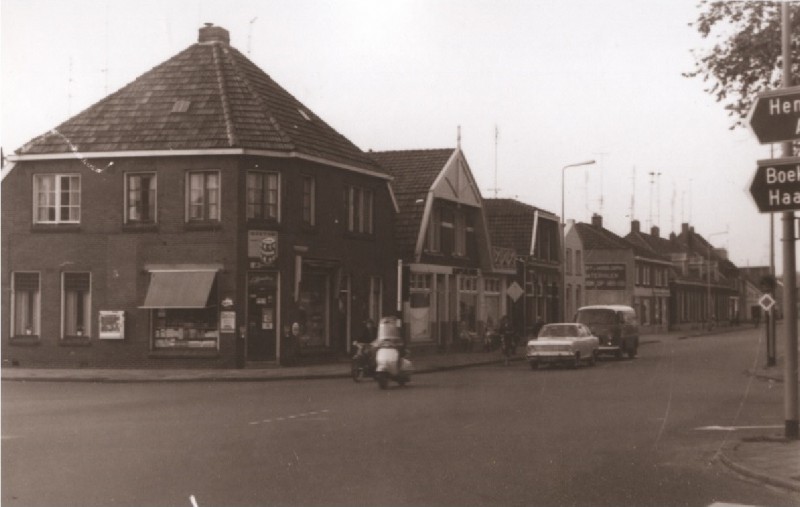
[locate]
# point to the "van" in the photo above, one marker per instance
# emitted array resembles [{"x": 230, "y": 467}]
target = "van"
[{"x": 615, "y": 326}]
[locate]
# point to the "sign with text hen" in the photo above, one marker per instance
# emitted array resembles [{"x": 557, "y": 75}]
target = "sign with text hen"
[
  {"x": 605, "y": 276},
  {"x": 775, "y": 115},
  {"x": 776, "y": 185}
]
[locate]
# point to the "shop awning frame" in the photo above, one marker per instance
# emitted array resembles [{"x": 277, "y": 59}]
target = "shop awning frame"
[{"x": 179, "y": 286}]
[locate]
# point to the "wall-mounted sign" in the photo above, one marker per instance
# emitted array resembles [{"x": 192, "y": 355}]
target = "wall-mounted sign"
[
  {"x": 605, "y": 276},
  {"x": 227, "y": 303},
  {"x": 111, "y": 324},
  {"x": 262, "y": 248},
  {"x": 227, "y": 321}
]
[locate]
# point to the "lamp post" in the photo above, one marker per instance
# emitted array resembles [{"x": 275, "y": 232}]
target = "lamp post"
[
  {"x": 708, "y": 278},
  {"x": 564, "y": 242}
]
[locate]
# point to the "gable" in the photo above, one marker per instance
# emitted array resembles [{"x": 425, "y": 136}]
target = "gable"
[{"x": 455, "y": 182}]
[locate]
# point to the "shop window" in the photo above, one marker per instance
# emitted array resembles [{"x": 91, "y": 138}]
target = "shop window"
[
  {"x": 26, "y": 301},
  {"x": 491, "y": 299},
  {"x": 186, "y": 328},
  {"x": 468, "y": 302},
  {"x": 203, "y": 193},
  {"x": 358, "y": 202},
  {"x": 309, "y": 200},
  {"x": 140, "y": 198},
  {"x": 76, "y": 305},
  {"x": 57, "y": 198},
  {"x": 263, "y": 195}
]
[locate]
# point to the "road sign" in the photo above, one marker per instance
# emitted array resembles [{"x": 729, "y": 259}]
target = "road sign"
[
  {"x": 776, "y": 185},
  {"x": 766, "y": 301},
  {"x": 775, "y": 115}
]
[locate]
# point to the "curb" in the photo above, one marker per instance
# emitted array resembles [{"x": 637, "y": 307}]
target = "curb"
[{"x": 767, "y": 479}]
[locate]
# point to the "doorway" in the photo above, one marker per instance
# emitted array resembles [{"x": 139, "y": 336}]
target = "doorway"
[{"x": 262, "y": 316}]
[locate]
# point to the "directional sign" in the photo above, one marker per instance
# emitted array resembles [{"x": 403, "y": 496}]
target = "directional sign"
[
  {"x": 766, "y": 301},
  {"x": 776, "y": 185},
  {"x": 775, "y": 115}
]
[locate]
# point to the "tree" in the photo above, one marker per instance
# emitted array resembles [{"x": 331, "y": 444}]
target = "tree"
[{"x": 744, "y": 53}]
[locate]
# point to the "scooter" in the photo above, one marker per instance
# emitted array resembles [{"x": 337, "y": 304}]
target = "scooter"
[{"x": 389, "y": 366}]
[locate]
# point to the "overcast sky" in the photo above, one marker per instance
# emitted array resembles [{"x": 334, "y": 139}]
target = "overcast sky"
[{"x": 562, "y": 83}]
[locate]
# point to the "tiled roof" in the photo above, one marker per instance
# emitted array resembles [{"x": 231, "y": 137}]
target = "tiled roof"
[
  {"x": 510, "y": 224},
  {"x": 209, "y": 96},
  {"x": 414, "y": 172},
  {"x": 600, "y": 238}
]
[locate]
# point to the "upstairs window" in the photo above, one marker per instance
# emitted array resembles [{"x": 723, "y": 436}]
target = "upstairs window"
[
  {"x": 263, "y": 195},
  {"x": 57, "y": 198},
  {"x": 358, "y": 202},
  {"x": 569, "y": 261},
  {"x": 309, "y": 200},
  {"x": 434, "y": 239},
  {"x": 140, "y": 198},
  {"x": 203, "y": 196},
  {"x": 578, "y": 262}
]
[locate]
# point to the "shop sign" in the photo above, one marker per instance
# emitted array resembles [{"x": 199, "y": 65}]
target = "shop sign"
[
  {"x": 262, "y": 248},
  {"x": 111, "y": 324},
  {"x": 504, "y": 258},
  {"x": 605, "y": 276}
]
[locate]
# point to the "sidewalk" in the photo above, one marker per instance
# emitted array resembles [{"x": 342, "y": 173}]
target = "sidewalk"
[{"x": 770, "y": 460}]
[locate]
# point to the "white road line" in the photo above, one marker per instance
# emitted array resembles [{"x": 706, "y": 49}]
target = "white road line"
[
  {"x": 293, "y": 417},
  {"x": 734, "y": 428},
  {"x": 194, "y": 502}
]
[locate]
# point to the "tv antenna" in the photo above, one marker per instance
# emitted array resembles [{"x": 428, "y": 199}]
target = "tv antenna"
[{"x": 250, "y": 33}]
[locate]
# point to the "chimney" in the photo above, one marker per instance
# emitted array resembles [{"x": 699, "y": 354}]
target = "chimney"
[
  {"x": 672, "y": 236},
  {"x": 635, "y": 226},
  {"x": 597, "y": 220},
  {"x": 685, "y": 228},
  {"x": 210, "y": 34},
  {"x": 655, "y": 232}
]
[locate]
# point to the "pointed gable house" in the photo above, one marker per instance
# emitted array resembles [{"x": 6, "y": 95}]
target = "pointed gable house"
[
  {"x": 443, "y": 242},
  {"x": 533, "y": 236},
  {"x": 200, "y": 216}
]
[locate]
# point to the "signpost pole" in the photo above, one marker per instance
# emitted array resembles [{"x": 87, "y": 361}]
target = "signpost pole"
[{"x": 792, "y": 429}]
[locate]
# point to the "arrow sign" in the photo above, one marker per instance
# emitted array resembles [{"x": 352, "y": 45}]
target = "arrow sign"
[
  {"x": 776, "y": 185},
  {"x": 775, "y": 115}
]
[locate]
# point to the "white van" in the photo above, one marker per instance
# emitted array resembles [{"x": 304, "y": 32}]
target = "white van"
[{"x": 615, "y": 326}]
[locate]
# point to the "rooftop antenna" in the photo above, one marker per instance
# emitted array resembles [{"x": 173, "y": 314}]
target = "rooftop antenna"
[
  {"x": 496, "y": 136},
  {"x": 104, "y": 70},
  {"x": 633, "y": 194},
  {"x": 458, "y": 137},
  {"x": 650, "y": 204},
  {"x": 672, "y": 206},
  {"x": 250, "y": 33},
  {"x": 69, "y": 89},
  {"x": 602, "y": 155}
]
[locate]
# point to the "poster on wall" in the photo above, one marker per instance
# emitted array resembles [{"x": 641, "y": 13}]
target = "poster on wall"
[
  {"x": 111, "y": 324},
  {"x": 262, "y": 249},
  {"x": 227, "y": 321}
]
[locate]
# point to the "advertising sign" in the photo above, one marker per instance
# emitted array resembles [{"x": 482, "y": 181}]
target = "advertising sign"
[
  {"x": 111, "y": 324},
  {"x": 262, "y": 248},
  {"x": 605, "y": 276}
]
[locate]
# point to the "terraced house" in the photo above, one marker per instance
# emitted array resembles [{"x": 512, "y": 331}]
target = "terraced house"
[{"x": 199, "y": 216}]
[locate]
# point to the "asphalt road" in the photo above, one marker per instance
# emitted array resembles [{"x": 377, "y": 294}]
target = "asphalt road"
[{"x": 620, "y": 433}]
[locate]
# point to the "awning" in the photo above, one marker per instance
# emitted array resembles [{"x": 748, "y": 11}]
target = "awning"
[{"x": 179, "y": 289}]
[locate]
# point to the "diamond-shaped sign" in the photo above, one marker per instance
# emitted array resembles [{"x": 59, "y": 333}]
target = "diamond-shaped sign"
[
  {"x": 766, "y": 301},
  {"x": 514, "y": 291}
]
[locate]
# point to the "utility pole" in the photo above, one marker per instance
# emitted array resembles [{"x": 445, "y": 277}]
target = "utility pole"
[{"x": 792, "y": 419}]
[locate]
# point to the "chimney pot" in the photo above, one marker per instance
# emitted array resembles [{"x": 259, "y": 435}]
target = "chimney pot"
[
  {"x": 597, "y": 220},
  {"x": 210, "y": 34},
  {"x": 635, "y": 226},
  {"x": 655, "y": 231}
]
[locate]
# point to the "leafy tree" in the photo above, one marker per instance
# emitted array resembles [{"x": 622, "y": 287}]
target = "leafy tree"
[{"x": 743, "y": 57}]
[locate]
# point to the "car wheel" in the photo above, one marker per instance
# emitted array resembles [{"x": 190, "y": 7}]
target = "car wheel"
[
  {"x": 383, "y": 380},
  {"x": 593, "y": 358},
  {"x": 576, "y": 361},
  {"x": 534, "y": 365},
  {"x": 632, "y": 351}
]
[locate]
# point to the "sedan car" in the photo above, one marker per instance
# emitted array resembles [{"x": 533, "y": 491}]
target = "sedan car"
[{"x": 568, "y": 343}]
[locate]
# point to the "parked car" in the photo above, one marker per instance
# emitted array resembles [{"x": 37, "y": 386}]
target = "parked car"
[
  {"x": 569, "y": 343},
  {"x": 615, "y": 326}
]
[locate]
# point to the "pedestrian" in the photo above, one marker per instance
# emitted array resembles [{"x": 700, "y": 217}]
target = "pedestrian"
[
  {"x": 508, "y": 339},
  {"x": 537, "y": 326}
]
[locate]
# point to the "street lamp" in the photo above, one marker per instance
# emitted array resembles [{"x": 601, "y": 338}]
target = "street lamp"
[
  {"x": 708, "y": 277},
  {"x": 564, "y": 242}
]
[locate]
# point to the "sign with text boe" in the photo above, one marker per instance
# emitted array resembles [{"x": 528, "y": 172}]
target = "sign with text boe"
[{"x": 776, "y": 185}]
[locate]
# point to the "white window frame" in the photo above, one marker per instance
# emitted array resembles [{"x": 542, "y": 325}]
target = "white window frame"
[
  {"x": 37, "y": 322},
  {"x": 87, "y": 332},
  {"x": 126, "y": 214},
  {"x": 311, "y": 195},
  {"x": 360, "y": 207},
  {"x": 56, "y": 204},
  {"x": 205, "y": 218},
  {"x": 267, "y": 204}
]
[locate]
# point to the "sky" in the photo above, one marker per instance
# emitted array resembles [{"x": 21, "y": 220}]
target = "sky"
[{"x": 532, "y": 86}]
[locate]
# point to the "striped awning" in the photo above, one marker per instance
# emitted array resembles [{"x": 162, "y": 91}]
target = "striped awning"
[{"x": 179, "y": 289}]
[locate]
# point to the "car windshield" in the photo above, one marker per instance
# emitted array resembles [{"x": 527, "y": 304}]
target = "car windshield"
[
  {"x": 598, "y": 316},
  {"x": 561, "y": 331}
]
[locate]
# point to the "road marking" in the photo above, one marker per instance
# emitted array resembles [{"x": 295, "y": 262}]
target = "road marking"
[
  {"x": 734, "y": 428},
  {"x": 194, "y": 502},
  {"x": 293, "y": 417},
  {"x": 725, "y": 504}
]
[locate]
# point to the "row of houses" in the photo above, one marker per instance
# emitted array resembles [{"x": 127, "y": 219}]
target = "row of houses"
[{"x": 201, "y": 216}]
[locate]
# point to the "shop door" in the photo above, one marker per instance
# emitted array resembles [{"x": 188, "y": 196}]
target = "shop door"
[{"x": 262, "y": 314}]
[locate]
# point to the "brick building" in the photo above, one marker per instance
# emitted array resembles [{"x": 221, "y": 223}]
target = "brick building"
[{"x": 201, "y": 216}]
